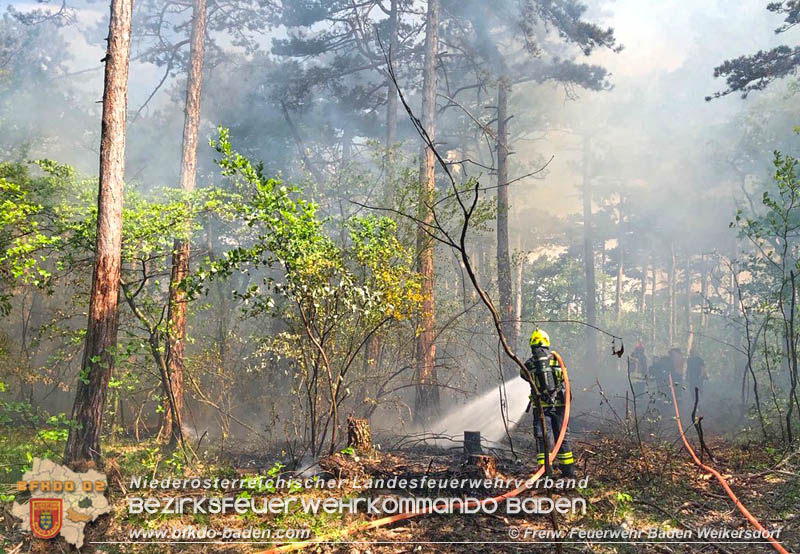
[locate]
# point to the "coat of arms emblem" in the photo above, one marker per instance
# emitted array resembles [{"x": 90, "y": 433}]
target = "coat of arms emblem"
[{"x": 46, "y": 517}]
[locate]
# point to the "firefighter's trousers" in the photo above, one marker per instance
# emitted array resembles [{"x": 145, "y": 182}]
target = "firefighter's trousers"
[{"x": 555, "y": 416}]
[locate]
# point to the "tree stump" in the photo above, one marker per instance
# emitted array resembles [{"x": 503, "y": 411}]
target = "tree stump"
[
  {"x": 472, "y": 443},
  {"x": 483, "y": 465},
  {"x": 359, "y": 435}
]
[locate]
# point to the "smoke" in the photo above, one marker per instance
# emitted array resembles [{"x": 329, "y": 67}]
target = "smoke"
[
  {"x": 680, "y": 162},
  {"x": 483, "y": 414}
]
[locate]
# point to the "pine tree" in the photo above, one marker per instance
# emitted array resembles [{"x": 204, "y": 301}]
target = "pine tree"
[{"x": 83, "y": 442}]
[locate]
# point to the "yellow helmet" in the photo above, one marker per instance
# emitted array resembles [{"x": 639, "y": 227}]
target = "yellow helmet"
[{"x": 540, "y": 338}]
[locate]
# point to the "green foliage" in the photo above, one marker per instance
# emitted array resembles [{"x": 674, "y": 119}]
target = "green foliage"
[
  {"x": 775, "y": 231},
  {"x": 48, "y": 219},
  {"x": 372, "y": 275},
  {"x": 49, "y": 428},
  {"x": 176, "y": 460},
  {"x": 622, "y": 503},
  {"x": 768, "y": 292},
  {"x": 24, "y": 219},
  {"x": 331, "y": 297},
  {"x": 27, "y": 439}
]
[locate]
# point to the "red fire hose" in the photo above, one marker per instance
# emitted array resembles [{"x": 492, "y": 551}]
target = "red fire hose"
[
  {"x": 775, "y": 544},
  {"x": 357, "y": 528}
]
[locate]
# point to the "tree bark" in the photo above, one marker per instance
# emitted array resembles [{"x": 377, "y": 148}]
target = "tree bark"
[
  {"x": 590, "y": 300},
  {"x": 642, "y": 298},
  {"x": 427, "y": 392},
  {"x": 172, "y": 425},
  {"x": 391, "y": 104},
  {"x": 359, "y": 434},
  {"x": 83, "y": 442},
  {"x": 671, "y": 295},
  {"x": 687, "y": 291},
  {"x": 391, "y": 90},
  {"x": 704, "y": 293},
  {"x": 603, "y": 284},
  {"x": 733, "y": 308},
  {"x": 620, "y": 267},
  {"x": 503, "y": 256},
  {"x": 347, "y": 146},
  {"x": 518, "y": 294},
  {"x": 481, "y": 466},
  {"x": 654, "y": 278},
  {"x": 319, "y": 177}
]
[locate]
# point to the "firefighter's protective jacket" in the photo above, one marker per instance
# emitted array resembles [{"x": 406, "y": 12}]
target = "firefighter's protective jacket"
[{"x": 543, "y": 356}]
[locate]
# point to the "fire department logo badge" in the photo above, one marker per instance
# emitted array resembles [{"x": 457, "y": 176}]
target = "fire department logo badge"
[
  {"x": 62, "y": 502},
  {"x": 46, "y": 517}
]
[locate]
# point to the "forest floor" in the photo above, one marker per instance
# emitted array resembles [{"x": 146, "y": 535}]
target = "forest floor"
[{"x": 633, "y": 487}]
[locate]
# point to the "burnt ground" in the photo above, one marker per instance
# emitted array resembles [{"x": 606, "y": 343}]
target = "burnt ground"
[
  {"x": 652, "y": 486},
  {"x": 661, "y": 489}
]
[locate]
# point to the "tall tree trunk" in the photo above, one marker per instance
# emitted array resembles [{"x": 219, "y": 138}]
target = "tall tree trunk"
[
  {"x": 485, "y": 267},
  {"x": 518, "y": 295},
  {"x": 671, "y": 296},
  {"x": 319, "y": 177},
  {"x": 704, "y": 293},
  {"x": 653, "y": 277},
  {"x": 390, "y": 156},
  {"x": 391, "y": 90},
  {"x": 427, "y": 391},
  {"x": 687, "y": 298},
  {"x": 503, "y": 255},
  {"x": 791, "y": 345},
  {"x": 603, "y": 284},
  {"x": 173, "y": 421},
  {"x": 347, "y": 146},
  {"x": 83, "y": 442},
  {"x": 733, "y": 307},
  {"x": 620, "y": 251},
  {"x": 642, "y": 298},
  {"x": 590, "y": 299}
]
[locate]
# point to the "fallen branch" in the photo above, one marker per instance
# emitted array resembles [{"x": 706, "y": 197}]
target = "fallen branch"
[{"x": 698, "y": 425}]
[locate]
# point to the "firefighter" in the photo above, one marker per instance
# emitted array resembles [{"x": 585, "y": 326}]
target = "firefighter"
[
  {"x": 659, "y": 374},
  {"x": 696, "y": 371},
  {"x": 677, "y": 369},
  {"x": 544, "y": 368},
  {"x": 663, "y": 367}
]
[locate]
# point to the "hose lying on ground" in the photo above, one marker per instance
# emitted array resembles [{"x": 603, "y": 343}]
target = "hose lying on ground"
[
  {"x": 775, "y": 544},
  {"x": 359, "y": 527}
]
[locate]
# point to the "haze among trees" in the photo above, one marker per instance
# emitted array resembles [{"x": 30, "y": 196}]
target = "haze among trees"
[{"x": 270, "y": 242}]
